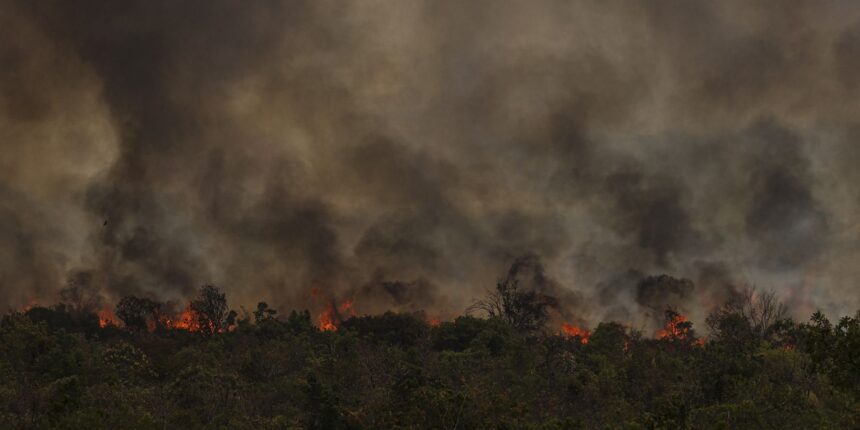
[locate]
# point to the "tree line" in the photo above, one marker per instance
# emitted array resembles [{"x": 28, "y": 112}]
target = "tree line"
[{"x": 498, "y": 366}]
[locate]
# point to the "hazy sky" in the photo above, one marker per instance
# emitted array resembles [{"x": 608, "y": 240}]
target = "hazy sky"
[{"x": 407, "y": 153}]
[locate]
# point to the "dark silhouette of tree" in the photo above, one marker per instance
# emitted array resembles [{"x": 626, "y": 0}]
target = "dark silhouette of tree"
[
  {"x": 300, "y": 322},
  {"x": 396, "y": 371},
  {"x": 62, "y": 317},
  {"x": 264, "y": 312},
  {"x": 469, "y": 332},
  {"x": 762, "y": 310},
  {"x": 210, "y": 309},
  {"x": 402, "y": 330},
  {"x": 609, "y": 339},
  {"x": 139, "y": 314},
  {"x": 525, "y": 310}
]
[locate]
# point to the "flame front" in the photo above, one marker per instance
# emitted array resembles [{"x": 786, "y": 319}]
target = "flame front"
[
  {"x": 187, "y": 321},
  {"x": 106, "y": 318},
  {"x": 326, "y": 321},
  {"x": 331, "y": 316},
  {"x": 674, "y": 328},
  {"x": 576, "y": 331}
]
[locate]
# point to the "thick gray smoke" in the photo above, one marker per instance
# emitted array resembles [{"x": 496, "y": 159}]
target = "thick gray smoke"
[{"x": 406, "y": 153}]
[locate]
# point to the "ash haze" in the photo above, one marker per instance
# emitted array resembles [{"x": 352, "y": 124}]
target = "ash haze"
[{"x": 408, "y": 154}]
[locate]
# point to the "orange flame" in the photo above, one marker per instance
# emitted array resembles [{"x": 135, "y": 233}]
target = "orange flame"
[
  {"x": 331, "y": 317},
  {"x": 575, "y": 331},
  {"x": 106, "y": 318},
  {"x": 326, "y": 321},
  {"x": 674, "y": 328},
  {"x": 187, "y": 321}
]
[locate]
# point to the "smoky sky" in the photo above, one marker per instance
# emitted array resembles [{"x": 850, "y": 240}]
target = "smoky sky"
[{"x": 406, "y": 153}]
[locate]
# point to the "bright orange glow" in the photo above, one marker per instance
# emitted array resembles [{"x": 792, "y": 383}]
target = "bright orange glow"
[
  {"x": 332, "y": 316},
  {"x": 106, "y": 318},
  {"x": 326, "y": 321},
  {"x": 674, "y": 328},
  {"x": 434, "y": 321},
  {"x": 187, "y": 320},
  {"x": 575, "y": 331}
]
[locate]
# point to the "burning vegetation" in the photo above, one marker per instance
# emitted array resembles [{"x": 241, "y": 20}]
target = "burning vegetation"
[
  {"x": 366, "y": 165},
  {"x": 206, "y": 364},
  {"x": 576, "y": 331},
  {"x": 677, "y": 327},
  {"x": 518, "y": 342},
  {"x": 332, "y": 316},
  {"x": 107, "y": 318},
  {"x": 187, "y": 320}
]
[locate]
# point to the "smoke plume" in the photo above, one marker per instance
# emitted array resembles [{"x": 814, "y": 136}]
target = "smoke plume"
[{"x": 407, "y": 153}]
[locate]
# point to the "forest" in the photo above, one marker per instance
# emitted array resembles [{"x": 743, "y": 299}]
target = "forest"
[{"x": 498, "y": 366}]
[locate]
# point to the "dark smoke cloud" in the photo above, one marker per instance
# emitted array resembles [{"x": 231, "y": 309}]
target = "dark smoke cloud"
[
  {"x": 405, "y": 154},
  {"x": 380, "y": 295},
  {"x": 657, "y": 293},
  {"x": 783, "y": 218}
]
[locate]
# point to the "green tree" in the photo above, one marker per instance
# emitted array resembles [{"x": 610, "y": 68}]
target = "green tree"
[{"x": 403, "y": 330}]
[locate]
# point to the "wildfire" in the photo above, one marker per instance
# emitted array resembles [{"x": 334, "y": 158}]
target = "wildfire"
[
  {"x": 675, "y": 328},
  {"x": 325, "y": 319},
  {"x": 187, "y": 320},
  {"x": 331, "y": 316},
  {"x": 434, "y": 321},
  {"x": 678, "y": 327},
  {"x": 576, "y": 331},
  {"x": 106, "y": 318}
]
